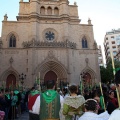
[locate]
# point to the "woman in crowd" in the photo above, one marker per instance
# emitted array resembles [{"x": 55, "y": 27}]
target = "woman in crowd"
[
  {"x": 113, "y": 99},
  {"x": 73, "y": 105},
  {"x": 91, "y": 110},
  {"x": 112, "y": 102}
]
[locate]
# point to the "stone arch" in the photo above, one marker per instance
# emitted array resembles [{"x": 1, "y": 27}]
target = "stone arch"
[
  {"x": 9, "y": 71},
  {"x": 84, "y": 42},
  {"x": 87, "y": 38},
  {"x": 42, "y": 10},
  {"x": 52, "y": 65},
  {"x": 16, "y": 36},
  {"x": 49, "y": 10},
  {"x": 12, "y": 41},
  {"x": 56, "y": 11},
  {"x": 91, "y": 72}
]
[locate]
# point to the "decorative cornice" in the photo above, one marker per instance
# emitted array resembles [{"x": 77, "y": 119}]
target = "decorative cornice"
[
  {"x": 55, "y": 44},
  {"x": 47, "y": 17}
]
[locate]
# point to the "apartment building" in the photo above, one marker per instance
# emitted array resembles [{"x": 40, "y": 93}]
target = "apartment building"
[
  {"x": 118, "y": 54},
  {"x": 100, "y": 56},
  {"x": 111, "y": 43}
]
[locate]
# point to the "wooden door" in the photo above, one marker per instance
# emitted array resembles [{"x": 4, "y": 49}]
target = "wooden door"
[
  {"x": 50, "y": 75},
  {"x": 11, "y": 81}
]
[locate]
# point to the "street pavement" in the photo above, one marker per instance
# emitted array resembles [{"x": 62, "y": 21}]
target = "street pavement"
[{"x": 24, "y": 116}]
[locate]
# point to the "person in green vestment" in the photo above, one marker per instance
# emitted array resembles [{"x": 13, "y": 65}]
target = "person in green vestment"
[
  {"x": 8, "y": 100},
  {"x": 48, "y": 104},
  {"x": 13, "y": 110},
  {"x": 73, "y": 106}
]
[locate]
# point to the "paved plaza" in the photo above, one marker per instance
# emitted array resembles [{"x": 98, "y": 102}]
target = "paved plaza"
[{"x": 24, "y": 116}]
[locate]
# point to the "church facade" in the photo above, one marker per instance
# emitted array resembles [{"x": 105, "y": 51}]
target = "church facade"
[{"x": 47, "y": 41}]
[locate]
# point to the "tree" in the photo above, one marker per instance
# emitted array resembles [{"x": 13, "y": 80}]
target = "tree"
[
  {"x": 107, "y": 72},
  {"x": 104, "y": 77}
]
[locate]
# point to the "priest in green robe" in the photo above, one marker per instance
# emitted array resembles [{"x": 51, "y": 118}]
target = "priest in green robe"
[{"x": 48, "y": 104}]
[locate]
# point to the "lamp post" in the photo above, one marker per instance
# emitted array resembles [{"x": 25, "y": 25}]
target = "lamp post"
[{"x": 22, "y": 77}]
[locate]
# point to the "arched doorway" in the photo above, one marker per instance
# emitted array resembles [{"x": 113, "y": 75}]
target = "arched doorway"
[
  {"x": 50, "y": 75},
  {"x": 87, "y": 80},
  {"x": 11, "y": 81}
]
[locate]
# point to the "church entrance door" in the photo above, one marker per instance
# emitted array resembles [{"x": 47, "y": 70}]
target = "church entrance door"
[
  {"x": 50, "y": 75},
  {"x": 11, "y": 81}
]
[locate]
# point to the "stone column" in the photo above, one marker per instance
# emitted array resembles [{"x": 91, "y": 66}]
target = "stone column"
[
  {"x": 53, "y": 11},
  {"x": 46, "y": 11}
]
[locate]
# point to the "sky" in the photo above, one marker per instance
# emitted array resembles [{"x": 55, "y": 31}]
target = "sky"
[{"x": 104, "y": 15}]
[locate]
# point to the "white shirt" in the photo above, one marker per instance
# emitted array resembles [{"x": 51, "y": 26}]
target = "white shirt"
[
  {"x": 94, "y": 116},
  {"x": 36, "y": 106},
  {"x": 115, "y": 115}
]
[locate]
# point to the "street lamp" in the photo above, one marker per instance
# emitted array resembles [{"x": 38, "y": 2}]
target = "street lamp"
[{"x": 22, "y": 77}]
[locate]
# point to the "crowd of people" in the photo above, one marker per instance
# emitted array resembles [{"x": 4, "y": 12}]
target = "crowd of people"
[
  {"x": 13, "y": 103},
  {"x": 68, "y": 103}
]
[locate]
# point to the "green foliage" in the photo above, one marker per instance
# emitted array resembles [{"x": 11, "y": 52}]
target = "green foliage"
[
  {"x": 104, "y": 74},
  {"x": 117, "y": 66},
  {"x": 107, "y": 72}
]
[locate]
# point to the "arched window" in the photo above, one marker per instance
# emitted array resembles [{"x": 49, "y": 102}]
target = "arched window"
[
  {"x": 84, "y": 42},
  {"x": 56, "y": 11},
  {"x": 49, "y": 11},
  {"x": 42, "y": 10},
  {"x": 12, "y": 41}
]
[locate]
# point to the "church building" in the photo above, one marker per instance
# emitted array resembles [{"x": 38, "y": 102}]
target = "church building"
[{"x": 47, "y": 41}]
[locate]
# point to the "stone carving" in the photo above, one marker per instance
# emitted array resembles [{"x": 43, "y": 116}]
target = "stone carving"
[
  {"x": 11, "y": 52},
  {"x": 50, "y": 35},
  {"x": 51, "y": 54},
  {"x": 95, "y": 45},
  {"x": 62, "y": 44},
  {"x": 87, "y": 61},
  {"x": 11, "y": 61}
]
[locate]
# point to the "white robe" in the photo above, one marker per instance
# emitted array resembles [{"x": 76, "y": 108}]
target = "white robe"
[
  {"x": 94, "y": 116},
  {"x": 115, "y": 115}
]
